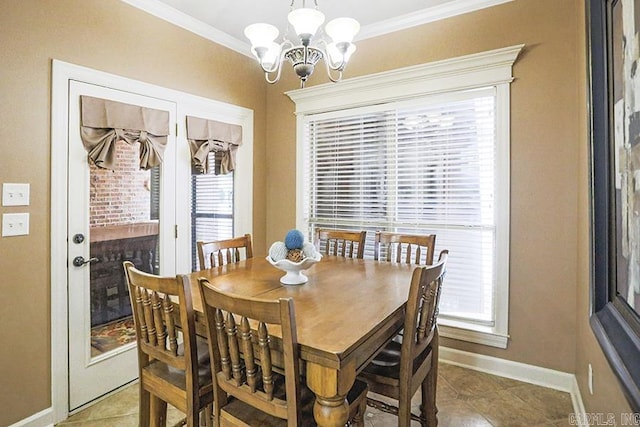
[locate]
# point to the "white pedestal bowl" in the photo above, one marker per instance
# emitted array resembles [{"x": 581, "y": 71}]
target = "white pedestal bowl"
[{"x": 294, "y": 270}]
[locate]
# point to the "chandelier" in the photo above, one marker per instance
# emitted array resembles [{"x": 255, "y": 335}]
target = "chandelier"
[{"x": 334, "y": 44}]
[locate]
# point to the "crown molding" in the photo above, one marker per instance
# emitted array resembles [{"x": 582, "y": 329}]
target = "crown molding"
[
  {"x": 424, "y": 16},
  {"x": 189, "y": 23}
]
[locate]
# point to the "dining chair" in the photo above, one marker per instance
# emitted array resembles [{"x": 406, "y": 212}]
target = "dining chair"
[
  {"x": 257, "y": 376},
  {"x": 173, "y": 369},
  {"x": 407, "y": 248},
  {"x": 401, "y": 368},
  {"x": 344, "y": 243},
  {"x": 219, "y": 252}
]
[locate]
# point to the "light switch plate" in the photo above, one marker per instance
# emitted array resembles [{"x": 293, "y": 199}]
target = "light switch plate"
[
  {"x": 15, "y": 224},
  {"x": 15, "y": 194}
]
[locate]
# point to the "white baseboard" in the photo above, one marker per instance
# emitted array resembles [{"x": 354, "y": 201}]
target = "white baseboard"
[
  {"x": 531, "y": 374},
  {"x": 43, "y": 418},
  {"x": 578, "y": 405}
]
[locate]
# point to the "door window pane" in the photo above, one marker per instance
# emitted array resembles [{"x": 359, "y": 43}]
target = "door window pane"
[
  {"x": 211, "y": 208},
  {"x": 123, "y": 226}
]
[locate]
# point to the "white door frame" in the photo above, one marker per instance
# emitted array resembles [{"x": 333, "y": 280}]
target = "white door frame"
[
  {"x": 91, "y": 376},
  {"x": 62, "y": 73}
]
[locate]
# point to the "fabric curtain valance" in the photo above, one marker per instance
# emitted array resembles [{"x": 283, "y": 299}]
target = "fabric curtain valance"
[
  {"x": 105, "y": 122},
  {"x": 206, "y": 136}
]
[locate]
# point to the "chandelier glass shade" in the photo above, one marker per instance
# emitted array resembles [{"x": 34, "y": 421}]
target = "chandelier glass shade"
[{"x": 334, "y": 44}]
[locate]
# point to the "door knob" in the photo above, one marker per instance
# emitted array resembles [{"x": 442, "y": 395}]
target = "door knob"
[{"x": 79, "y": 261}]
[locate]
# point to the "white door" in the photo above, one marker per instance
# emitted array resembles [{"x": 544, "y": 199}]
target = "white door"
[{"x": 112, "y": 216}]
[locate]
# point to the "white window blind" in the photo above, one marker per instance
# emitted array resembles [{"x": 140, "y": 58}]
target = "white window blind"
[
  {"x": 423, "y": 166},
  {"x": 211, "y": 208}
]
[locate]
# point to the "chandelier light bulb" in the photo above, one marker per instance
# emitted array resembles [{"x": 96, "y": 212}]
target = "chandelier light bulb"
[
  {"x": 339, "y": 53},
  {"x": 271, "y": 57},
  {"x": 305, "y": 22},
  {"x": 342, "y": 30},
  {"x": 261, "y": 35}
]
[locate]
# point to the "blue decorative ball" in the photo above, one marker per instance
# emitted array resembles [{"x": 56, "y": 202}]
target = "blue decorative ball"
[{"x": 294, "y": 239}]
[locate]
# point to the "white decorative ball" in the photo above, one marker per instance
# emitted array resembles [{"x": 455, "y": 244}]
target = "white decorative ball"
[
  {"x": 309, "y": 250},
  {"x": 278, "y": 251}
]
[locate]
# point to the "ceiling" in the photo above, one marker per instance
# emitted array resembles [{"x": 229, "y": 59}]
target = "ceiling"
[{"x": 223, "y": 21}]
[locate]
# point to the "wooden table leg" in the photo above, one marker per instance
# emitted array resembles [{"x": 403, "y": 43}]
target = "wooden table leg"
[{"x": 330, "y": 387}]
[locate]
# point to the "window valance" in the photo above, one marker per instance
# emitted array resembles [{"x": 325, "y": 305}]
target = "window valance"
[
  {"x": 105, "y": 122},
  {"x": 206, "y": 136}
]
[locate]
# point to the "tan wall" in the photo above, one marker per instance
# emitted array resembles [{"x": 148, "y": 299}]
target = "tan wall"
[
  {"x": 110, "y": 36},
  {"x": 549, "y": 281},
  {"x": 549, "y": 213}
]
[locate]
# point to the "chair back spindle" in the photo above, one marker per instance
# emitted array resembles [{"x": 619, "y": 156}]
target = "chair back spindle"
[
  {"x": 220, "y": 252},
  {"x": 344, "y": 243},
  {"x": 407, "y": 248}
]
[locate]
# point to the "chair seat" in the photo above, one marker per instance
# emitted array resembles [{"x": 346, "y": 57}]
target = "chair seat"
[
  {"x": 385, "y": 367},
  {"x": 389, "y": 356},
  {"x": 238, "y": 413},
  {"x": 177, "y": 377},
  {"x": 202, "y": 349}
]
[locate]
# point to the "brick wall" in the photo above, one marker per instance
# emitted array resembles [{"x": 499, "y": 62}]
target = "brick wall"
[{"x": 121, "y": 196}]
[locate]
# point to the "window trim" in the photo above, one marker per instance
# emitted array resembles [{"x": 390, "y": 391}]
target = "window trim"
[{"x": 485, "y": 69}]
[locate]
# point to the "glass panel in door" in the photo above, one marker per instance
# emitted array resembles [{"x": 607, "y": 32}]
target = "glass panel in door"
[
  {"x": 124, "y": 219},
  {"x": 211, "y": 208}
]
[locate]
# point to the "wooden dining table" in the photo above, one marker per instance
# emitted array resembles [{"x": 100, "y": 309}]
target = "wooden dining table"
[{"x": 345, "y": 313}]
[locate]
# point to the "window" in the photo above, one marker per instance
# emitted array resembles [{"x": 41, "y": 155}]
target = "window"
[
  {"x": 434, "y": 160},
  {"x": 421, "y": 167},
  {"x": 211, "y": 208}
]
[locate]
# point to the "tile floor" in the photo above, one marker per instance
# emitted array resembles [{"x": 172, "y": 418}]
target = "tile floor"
[{"x": 466, "y": 398}]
